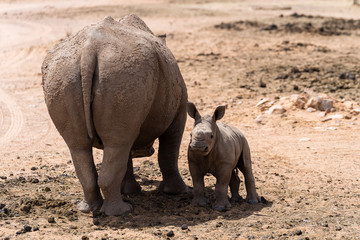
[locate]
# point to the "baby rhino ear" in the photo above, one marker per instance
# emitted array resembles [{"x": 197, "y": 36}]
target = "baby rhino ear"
[
  {"x": 192, "y": 111},
  {"x": 219, "y": 113}
]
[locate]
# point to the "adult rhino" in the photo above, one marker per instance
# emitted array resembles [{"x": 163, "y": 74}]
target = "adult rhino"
[{"x": 116, "y": 86}]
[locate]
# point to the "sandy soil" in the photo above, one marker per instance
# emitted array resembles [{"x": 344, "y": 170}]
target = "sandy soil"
[{"x": 230, "y": 52}]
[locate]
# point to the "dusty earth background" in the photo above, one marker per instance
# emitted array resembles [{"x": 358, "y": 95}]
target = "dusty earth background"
[{"x": 230, "y": 52}]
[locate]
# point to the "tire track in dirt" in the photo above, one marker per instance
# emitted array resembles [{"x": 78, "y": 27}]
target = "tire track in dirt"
[{"x": 16, "y": 118}]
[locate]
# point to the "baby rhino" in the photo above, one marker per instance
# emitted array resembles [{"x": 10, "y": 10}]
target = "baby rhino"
[{"x": 219, "y": 149}]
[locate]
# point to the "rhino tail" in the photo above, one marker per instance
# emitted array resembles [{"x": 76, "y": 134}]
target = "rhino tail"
[{"x": 88, "y": 64}]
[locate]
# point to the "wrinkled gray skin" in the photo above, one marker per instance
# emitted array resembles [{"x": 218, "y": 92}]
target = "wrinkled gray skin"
[
  {"x": 219, "y": 149},
  {"x": 117, "y": 87}
]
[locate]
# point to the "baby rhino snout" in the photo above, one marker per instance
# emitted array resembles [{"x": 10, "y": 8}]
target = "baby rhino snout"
[{"x": 198, "y": 146}]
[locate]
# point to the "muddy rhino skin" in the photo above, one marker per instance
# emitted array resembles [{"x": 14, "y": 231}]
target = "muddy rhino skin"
[
  {"x": 116, "y": 86},
  {"x": 219, "y": 149}
]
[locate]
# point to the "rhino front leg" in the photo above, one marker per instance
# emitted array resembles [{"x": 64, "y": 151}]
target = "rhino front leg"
[
  {"x": 169, "y": 145},
  {"x": 113, "y": 170},
  {"x": 129, "y": 185},
  {"x": 221, "y": 188},
  {"x": 86, "y": 172},
  {"x": 198, "y": 183}
]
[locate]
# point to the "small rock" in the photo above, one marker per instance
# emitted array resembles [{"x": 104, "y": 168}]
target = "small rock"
[
  {"x": 338, "y": 228},
  {"x": 349, "y": 105},
  {"x": 20, "y": 232},
  {"x": 36, "y": 229},
  {"x": 310, "y": 109},
  {"x": 348, "y": 116},
  {"x": 47, "y": 189},
  {"x": 262, "y": 84},
  {"x": 262, "y": 102},
  {"x": 322, "y": 114},
  {"x": 259, "y": 119},
  {"x": 170, "y": 233},
  {"x": 298, "y": 232},
  {"x": 51, "y": 219},
  {"x": 251, "y": 237},
  {"x": 27, "y": 228},
  {"x": 34, "y": 180},
  {"x": 277, "y": 109},
  {"x": 3, "y": 177},
  {"x": 184, "y": 227},
  {"x": 33, "y": 168},
  {"x": 2, "y": 205},
  {"x": 84, "y": 238},
  {"x": 26, "y": 208}
]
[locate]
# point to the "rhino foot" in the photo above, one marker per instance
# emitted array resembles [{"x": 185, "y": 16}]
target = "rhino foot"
[
  {"x": 85, "y": 207},
  {"x": 222, "y": 207},
  {"x": 236, "y": 199},
  {"x": 173, "y": 186},
  {"x": 118, "y": 209},
  {"x": 255, "y": 200}
]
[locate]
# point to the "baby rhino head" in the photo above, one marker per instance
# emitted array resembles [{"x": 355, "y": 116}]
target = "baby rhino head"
[{"x": 203, "y": 136}]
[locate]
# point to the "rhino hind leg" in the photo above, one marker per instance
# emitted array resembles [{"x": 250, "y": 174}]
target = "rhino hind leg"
[
  {"x": 129, "y": 185},
  {"x": 169, "y": 145},
  {"x": 113, "y": 171},
  {"x": 245, "y": 167},
  {"x": 234, "y": 187},
  {"x": 86, "y": 172}
]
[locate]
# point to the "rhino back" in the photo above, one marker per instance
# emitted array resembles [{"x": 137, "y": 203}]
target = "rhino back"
[
  {"x": 232, "y": 140},
  {"x": 134, "y": 69}
]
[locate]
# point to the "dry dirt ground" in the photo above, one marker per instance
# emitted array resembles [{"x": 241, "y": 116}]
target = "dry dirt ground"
[{"x": 230, "y": 52}]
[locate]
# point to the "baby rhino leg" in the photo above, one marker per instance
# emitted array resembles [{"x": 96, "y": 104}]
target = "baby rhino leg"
[
  {"x": 223, "y": 177},
  {"x": 234, "y": 187},
  {"x": 245, "y": 167}
]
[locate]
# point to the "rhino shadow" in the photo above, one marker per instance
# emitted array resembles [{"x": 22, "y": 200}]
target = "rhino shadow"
[{"x": 154, "y": 208}]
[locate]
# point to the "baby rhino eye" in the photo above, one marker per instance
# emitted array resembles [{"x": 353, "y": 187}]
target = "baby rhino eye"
[{"x": 212, "y": 136}]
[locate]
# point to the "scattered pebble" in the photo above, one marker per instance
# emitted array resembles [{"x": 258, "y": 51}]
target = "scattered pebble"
[
  {"x": 27, "y": 228},
  {"x": 34, "y": 180},
  {"x": 259, "y": 119},
  {"x": 51, "y": 219},
  {"x": 84, "y": 238},
  {"x": 33, "y": 168},
  {"x": 276, "y": 109},
  {"x": 2, "y": 205},
  {"x": 47, "y": 189},
  {"x": 36, "y": 229},
  {"x": 298, "y": 232},
  {"x": 170, "y": 233},
  {"x": 184, "y": 227}
]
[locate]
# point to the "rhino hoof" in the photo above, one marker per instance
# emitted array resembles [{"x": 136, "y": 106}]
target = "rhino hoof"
[
  {"x": 220, "y": 208},
  {"x": 122, "y": 209},
  {"x": 84, "y": 207},
  {"x": 252, "y": 202}
]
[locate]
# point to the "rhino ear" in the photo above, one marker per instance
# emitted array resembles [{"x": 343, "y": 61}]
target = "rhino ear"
[
  {"x": 192, "y": 111},
  {"x": 162, "y": 38},
  {"x": 219, "y": 113}
]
